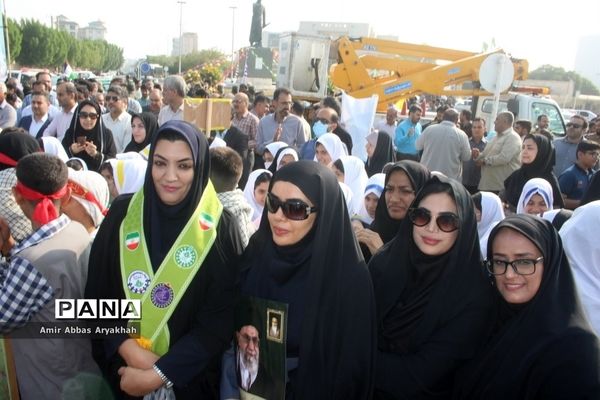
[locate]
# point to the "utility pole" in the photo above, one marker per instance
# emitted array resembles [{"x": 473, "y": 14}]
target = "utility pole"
[
  {"x": 233, "y": 8},
  {"x": 181, "y": 3}
]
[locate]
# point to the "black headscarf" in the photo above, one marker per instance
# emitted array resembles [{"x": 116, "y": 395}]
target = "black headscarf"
[
  {"x": 431, "y": 310},
  {"x": 331, "y": 326},
  {"x": 546, "y": 350},
  {"x": 164, "y": 223},
  {"x": 383, "y": 154},
  {"x": 541, "y": 167},
  {"x": 16, "y": 145},
  {"x": 384, "y": 224},
  {"x": 76, "y": 129},
  {"x": 150, "y": 124}
]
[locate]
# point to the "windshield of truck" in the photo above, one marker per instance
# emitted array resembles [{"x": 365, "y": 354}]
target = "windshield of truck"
[{"x": 556, "y": 126}]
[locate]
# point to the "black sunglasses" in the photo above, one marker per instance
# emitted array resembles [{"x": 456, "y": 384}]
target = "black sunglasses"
[
  {"x": 293, "y": 209},
  {"x": 576, "y": 126},
  {"x": 446, "y": 221},
  {"x": 90, "y": 115}
]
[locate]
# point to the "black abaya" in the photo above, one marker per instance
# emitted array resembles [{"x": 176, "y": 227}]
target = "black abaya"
[
  {"x": 545, "y": 348},
  {"x": 431, "y": 310}
]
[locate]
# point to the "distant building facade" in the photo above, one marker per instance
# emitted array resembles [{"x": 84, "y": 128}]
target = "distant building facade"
[
  {"x": 189, "y": 41},
  {"x": 95, "y": 30}
]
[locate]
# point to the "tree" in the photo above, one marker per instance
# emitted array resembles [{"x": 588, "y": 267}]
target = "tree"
[
  {"x": 552, "y": 73},
  {"x": 15, "y": 37}
]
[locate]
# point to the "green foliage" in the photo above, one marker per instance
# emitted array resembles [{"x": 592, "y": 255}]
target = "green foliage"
[
  {"x": 190, "y": 61},
  {"x": 15, "y": 37},
  {"x": 551, "y": 73},
  {"x": 34, "y": 44}
]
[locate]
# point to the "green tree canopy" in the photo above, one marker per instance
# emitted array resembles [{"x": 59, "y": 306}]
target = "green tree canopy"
[
  {"x": 188, "y": 61},
  {"x": 15, "y": 37},
  {"x": 552, "y": 73}
]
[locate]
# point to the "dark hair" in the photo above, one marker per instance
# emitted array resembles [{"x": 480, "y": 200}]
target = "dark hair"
[
  {"x": 479, "y": 119},
  {"x": 386, "y": 168},
  {"x": 297, "y": 107},
  {"x": 476, "y": 197},
  {"x": 524, "y": 123},
  {"x": 262, "y": 178},
  {"x": 583, "y": 120},
  {"x": 279, "y": 91},
  {"x": 225, "y": 168},
  {"x": 260, "y": 98},
  {"x": 331, "y": 102},
  {"x": 434, "y": 188},
  {"x": 587, "y": 145},
  {"x": 42, "y": 172},
  {"x": 14, "y": 129},
  {"x": 106, "y": 167},
  {"x": 339, "y": 165},
  {"x": 414, "y": 108},
  {"x": 441, "y": 109},
  {"x": 75, "y": 165},
  {"x": 467, "y": 114},
  {"x": 539, "y": 118},
  {"x": 119, "y": 91}
]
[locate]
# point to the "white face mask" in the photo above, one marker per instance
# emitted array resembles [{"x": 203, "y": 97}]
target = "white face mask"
[{"x": 268, "y": 164}]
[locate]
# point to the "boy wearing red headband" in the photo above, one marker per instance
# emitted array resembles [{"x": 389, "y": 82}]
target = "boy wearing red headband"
[{"x": 49, "y": 264}]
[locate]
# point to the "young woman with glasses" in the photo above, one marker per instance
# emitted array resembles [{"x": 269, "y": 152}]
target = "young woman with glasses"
[
  {"x": 304, "y": 254},
  {"x": 432, "y": 296},
  {"x": 87, "y": 138},
  {"x": 541, "y": 345}
]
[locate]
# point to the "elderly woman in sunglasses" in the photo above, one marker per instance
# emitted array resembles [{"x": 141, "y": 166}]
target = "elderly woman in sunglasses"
[
  {"x": 87, "y": 138},
  {"x": 432, "y": 296},
  {"x": 541, "y": 346},
  {"x": 305, "y": 255}
]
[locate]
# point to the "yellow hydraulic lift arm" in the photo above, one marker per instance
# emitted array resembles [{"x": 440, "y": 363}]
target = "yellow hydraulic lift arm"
[{"x": 395, "y": 70}]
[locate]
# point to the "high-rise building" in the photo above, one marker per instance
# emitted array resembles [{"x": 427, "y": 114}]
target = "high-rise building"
[
  {"x": 95, "y": 30},
  {"x": 63, "y": 23},
  {"x": 587, "y": 59},
  {"x": 190, "y": 44}
]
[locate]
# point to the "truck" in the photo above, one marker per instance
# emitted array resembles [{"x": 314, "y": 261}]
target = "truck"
[{"x": 363, "y": 67}]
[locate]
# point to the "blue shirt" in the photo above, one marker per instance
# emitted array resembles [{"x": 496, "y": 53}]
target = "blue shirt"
[
  {"x": 402, "y": 141},
  {"x": 574, "y": 182}
]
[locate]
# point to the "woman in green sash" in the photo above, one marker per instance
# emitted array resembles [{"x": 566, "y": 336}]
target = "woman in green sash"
[{"x": 173, "y": 247}]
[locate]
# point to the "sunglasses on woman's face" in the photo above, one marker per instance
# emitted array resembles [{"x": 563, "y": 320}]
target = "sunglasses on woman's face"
[
  {"x": 446, "y": 221},
  {"x": 293, "y": 209},
  {"x": 91, "y": 115}
]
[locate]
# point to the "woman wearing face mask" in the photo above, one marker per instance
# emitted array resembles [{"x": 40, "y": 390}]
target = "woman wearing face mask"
[
  {"x": 537, "y": 160},
  {"x": 541, "y": 346},
  {"x": 271, "y": 151},
  {"x": 327, "y": 288},
  {"x": 432, "y": 295}
]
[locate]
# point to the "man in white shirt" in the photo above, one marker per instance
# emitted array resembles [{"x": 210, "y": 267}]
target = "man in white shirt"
[
  {"x": 173, "y": 94},
  {"x": 39, "y": 120},
  {"x": 8, "y": 115},
  {"x": 67, "y": 98},
  {"x": 391, "y": 122},
  {"x": 38, "y": 87},
  {"x": 118, "y": 120}
]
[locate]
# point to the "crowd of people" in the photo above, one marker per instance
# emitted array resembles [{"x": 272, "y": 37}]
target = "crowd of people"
[{"x": 452, "y": 263}]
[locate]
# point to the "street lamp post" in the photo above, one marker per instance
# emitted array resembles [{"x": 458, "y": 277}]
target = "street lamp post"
[
  {"x": 233, "y": 8},
  {"x": 181, "y": 3}
]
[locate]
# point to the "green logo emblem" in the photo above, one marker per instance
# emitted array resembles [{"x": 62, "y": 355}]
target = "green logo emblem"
[{"x": 185, "y": 256}]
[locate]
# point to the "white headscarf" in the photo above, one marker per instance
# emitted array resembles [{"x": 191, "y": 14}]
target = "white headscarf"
[
  {"x": 285, "y": 152},
  {"x": 275, "y": 146},
  {"x": 583, "y": 250},
  {"x": 128, "y": 174},
  {"x": 333, "y": 145},
  {"x": 356, "y": 177},
  {"x": 491, "y": 211},
  {"x": 96, "y": 185},
  {"x": 217, "y": 142},
  {"x": 374, "y": 186},
  {"x": 53, "y": 146},
  {"x": 130, "y": 155},
  {"x": 347, "y": 196},
  {"x": 80, "y": 161},
  {"x": 532, "y": 187},
  {"x": 249, "y": 193}
]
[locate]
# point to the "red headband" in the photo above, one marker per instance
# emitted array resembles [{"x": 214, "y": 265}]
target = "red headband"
[
  {"x": 6, "y": 160},
  {"x": 44, "y": 209}
]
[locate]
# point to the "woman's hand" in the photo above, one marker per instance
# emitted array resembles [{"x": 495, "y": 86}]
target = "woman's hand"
[
  {"x": 90, "y": 148},
  {"x": 371, "y": 239},
  {"x": 139, "y": 382},
  {"x": 77, "y": 148},
  {"x": 135, "y": 356}
]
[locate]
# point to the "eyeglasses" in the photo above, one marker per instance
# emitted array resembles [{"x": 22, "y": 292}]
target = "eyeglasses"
[
  {"x": 446, "y": 221},
  {"x": 79, "y": 191},
  {"x": 594, "y": 154},
  {"x": 402, "y": 190},
  {"x": 323, "y": 121},
  {"x": 111, "y": 98},
  {"x": 85, "y": 115},
  {"x": 293, "y": 209},
  {"x": 254, "y": 339},
  {"x": 524, "y": 266},
  {"x": 572, "y": 125}
]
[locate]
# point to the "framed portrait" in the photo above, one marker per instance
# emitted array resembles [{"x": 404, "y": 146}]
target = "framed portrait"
[{"x": 275, "y": 328}]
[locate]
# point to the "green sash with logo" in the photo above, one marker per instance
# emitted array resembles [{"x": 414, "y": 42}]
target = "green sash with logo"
[{"x": 161, "y": 292}]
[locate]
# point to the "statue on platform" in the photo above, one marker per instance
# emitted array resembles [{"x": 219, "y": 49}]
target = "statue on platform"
[{"x": 258, "y": 23}]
